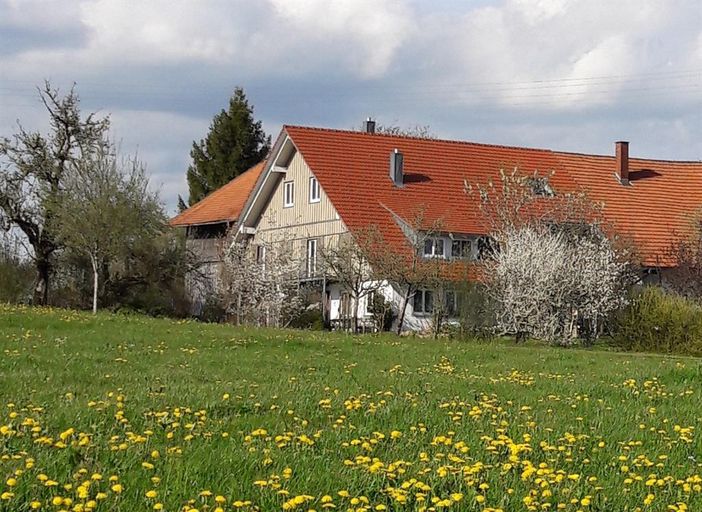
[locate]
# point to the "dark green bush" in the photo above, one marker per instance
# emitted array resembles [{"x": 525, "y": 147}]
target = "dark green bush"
[
  {"x": 659, "y": 321},
  {"x": 16, "y": 272},
  {"x": 308, "y": 319},
  {"x": 382, "y": 312},
  {"x": 476, "y": 312}
]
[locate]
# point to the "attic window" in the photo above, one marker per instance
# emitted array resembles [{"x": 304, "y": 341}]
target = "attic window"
[
  {"x": 314, "y": 190},
  {"x": 288, "y": 194},
  {"x": 540, "y": 186}
]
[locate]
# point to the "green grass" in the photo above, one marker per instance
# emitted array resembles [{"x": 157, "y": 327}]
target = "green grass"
[{"x": 267, "y": 416}]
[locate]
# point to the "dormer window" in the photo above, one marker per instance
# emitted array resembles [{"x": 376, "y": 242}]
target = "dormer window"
[
  {"x": 288, "y": 194},
  {"x": 434, "y": 248},
  {"x": 540, "y": 186},
  {"x": 314, "y": 190}
]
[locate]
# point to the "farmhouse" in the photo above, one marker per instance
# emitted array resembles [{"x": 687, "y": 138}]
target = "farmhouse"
[{"x": 321, "y": 183}]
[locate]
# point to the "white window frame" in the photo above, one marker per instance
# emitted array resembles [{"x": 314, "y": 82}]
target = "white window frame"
[
  {"x": 288, "y": 194},
  {"x": 456, "y": 307},
  {"x": 463, "y": 242},
  {"x": 261, "y": 256},
  {"x": 423, "y": 294},
  {"x": 434, "y": 244},
  {"x": 311, "y": 261},
  {"x": 315, "y": 194}
]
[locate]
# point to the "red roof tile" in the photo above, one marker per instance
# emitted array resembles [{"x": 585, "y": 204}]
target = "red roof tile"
[
  {"x": 222, "y": 205},
  {"x": 353, "y": 169}
]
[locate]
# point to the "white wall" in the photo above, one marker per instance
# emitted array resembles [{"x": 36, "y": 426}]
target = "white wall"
[{"x": 412, "y": 322}]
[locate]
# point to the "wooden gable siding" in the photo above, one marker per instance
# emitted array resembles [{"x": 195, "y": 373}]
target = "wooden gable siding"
[{"x": 303, "y": 220}]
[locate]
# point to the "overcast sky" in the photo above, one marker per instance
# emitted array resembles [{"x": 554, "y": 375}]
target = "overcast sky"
[{"x": 571, "y": 75}]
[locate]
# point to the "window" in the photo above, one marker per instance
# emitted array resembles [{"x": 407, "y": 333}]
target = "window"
[
  {"x": 434, "y": 248},
  {"x": 261, "y": 257},
  {"x": 314, "y": 190},
  {"x": 451, "y": 303},
  {"x": 311, "y": 257},
  {"x": 288, "y": 193},
  {"x": 462, "y": 249},
  {"x": 423, "y": 302},
  {"x": 540, "y": 186}
]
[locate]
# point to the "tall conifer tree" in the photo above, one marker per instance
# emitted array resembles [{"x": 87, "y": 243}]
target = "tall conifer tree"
[{"x": 234, "y": 143}]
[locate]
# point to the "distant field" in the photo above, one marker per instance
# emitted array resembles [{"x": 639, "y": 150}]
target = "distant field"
[{"x": 128, "y": 413}]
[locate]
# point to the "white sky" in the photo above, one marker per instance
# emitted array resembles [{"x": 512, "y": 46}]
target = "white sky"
[{"x": 572, "y": 75}]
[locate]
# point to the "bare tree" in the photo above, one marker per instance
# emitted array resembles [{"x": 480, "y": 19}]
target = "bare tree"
[
  {"x": 33, "y": 167},
  {"x": 347, "y": 263},
  {"x": 406, "y": 267},
  {"x": 685, "y": 277},
  {"x": 422, "y": 131},
  {"x": 105, "y": 208},
  {"x": 518, "y": 200},
  {"x": 419, "y": 131}
]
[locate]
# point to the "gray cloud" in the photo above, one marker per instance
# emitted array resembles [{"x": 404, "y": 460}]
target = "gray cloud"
[{"x": 564, "y": 74}]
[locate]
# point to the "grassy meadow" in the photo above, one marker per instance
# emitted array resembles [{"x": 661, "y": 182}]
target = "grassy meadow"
[{"x": 126, "y": 413}]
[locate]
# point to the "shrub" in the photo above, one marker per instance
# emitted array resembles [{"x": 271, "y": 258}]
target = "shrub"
[
  {"x": 659, "y": 321},
  {"x": 308, "y": 318},
  {"x": 382, "y": 312},
  {"x": 16, "y": 272},
  {"x": 476, "y": 312}
]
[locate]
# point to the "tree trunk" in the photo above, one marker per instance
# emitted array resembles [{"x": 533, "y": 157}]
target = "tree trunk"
[
  {"x": 401, "y": 319},
  {"x": 356, "y": 303},
  {"x": 437, "y": 324},
  {"x": 41, "y": 290},
  {"x": 96, "y": 280}
]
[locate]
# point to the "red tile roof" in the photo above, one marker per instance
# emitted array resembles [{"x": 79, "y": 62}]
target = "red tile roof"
[
  {"x": 224, "y": 204},
  {"x": 353, "y": 169}
]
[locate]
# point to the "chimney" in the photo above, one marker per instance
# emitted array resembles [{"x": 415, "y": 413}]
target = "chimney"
[
  {"x": 622, "y": 153},
  {"x": 369, "y": 126},
  {"x": 396, "y": 174}
]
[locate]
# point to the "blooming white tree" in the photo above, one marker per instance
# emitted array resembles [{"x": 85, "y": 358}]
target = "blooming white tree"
[
  {"x": 553, "y": 270},
  {"x": 261, "y": 287},
  {"x": 547, "y": 283}
]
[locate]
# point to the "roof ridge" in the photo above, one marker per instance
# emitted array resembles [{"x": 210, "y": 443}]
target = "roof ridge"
[
  {"x": 631, "y": 158},
  {"x": 220, "y": 191},
  {"x": 483, "y": 144},
  {"x": 414, "y": 137}
]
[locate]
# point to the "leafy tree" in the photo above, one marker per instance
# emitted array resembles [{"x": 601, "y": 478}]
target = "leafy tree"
[
  {"x": 106, "y": 208},
  {"x": 15, "y": 270},
  {"x": 234, "y": 143},
  {"x": 33, "y": 167}
]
